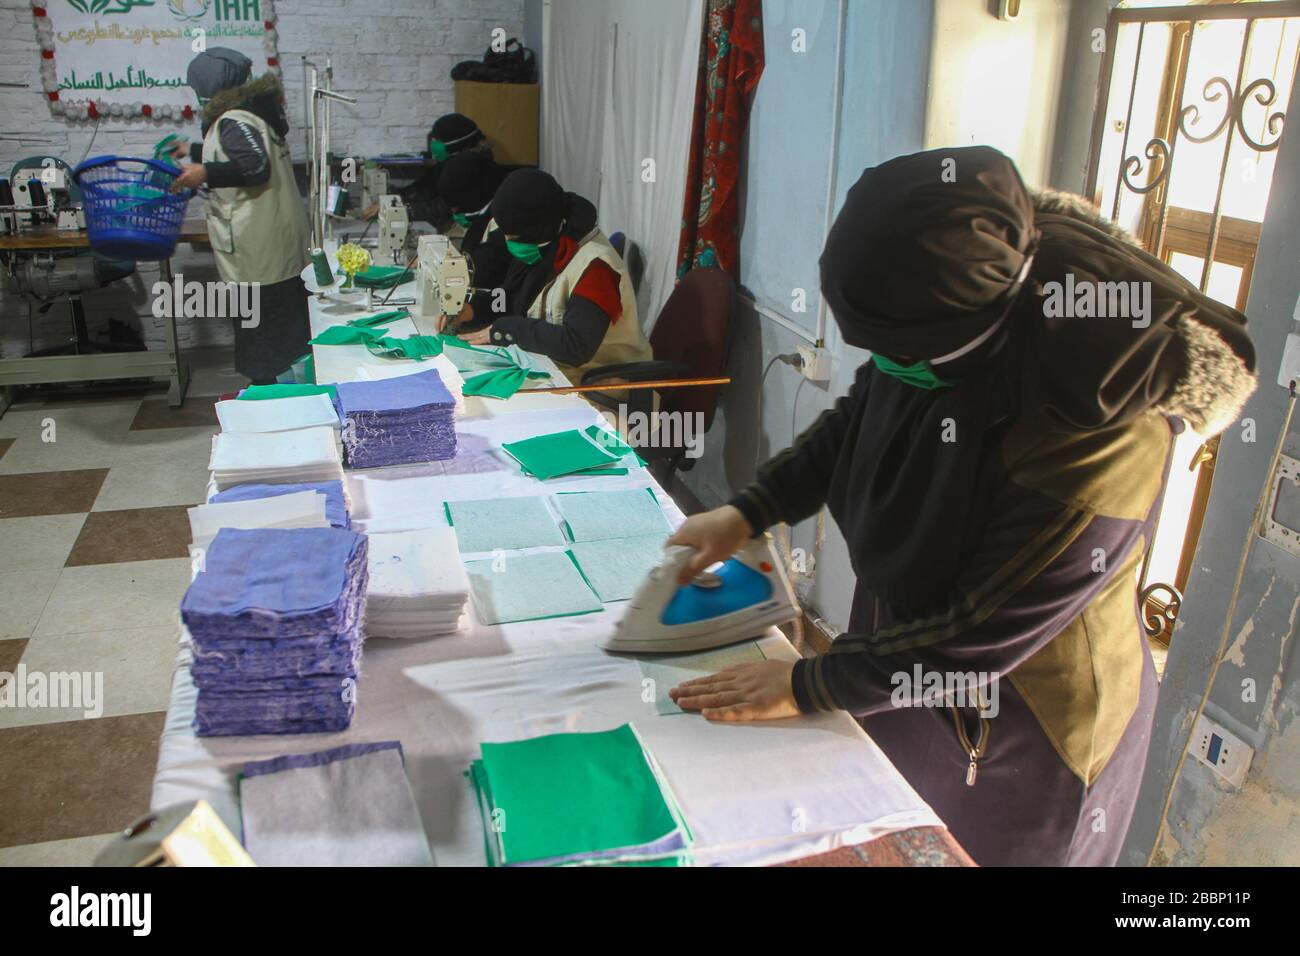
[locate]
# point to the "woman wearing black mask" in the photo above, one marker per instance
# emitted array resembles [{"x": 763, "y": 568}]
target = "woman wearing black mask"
[
  {"x": 565, "y": 291},
  {"x": 996, "y": 470}
]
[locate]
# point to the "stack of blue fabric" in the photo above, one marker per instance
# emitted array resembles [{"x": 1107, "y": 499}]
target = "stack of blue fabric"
[
  {"x": 336, "y": 505},
  {"x": 397, "y": 421},
  {"x": 275, "y": 619}
]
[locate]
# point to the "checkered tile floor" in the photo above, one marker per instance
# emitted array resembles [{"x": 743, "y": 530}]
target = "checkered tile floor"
[{"x": 93, "y": 563}]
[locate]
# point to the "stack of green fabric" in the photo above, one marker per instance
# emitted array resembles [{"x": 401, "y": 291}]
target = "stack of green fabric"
[
  {"x": 593, "y": 451},
  {"x": 578, "y": 800}
]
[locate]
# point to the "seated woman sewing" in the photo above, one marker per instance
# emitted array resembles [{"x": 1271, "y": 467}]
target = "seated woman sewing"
[
  {"x": 565, "y": 292},
  {"x": 451, "y": 135}
]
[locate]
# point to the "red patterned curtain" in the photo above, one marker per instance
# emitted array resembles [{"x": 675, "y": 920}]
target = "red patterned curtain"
[{"x": 731, "y": 61}]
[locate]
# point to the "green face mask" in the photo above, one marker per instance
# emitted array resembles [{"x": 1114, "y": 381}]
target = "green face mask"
[
  {"x": 461, "y": 219},
  {"x": 438, "y": 151},
  {"x": 918, "y": 375},
  {"x": 528, "y": 252}
]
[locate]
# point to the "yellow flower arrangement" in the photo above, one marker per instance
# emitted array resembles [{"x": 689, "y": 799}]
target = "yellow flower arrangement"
[{"x": 352, "y": 259}]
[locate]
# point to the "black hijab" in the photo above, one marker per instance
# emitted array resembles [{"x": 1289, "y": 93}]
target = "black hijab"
[
  {"x": 455, "y": 131},
  {"x": 531, "y": 206},
  {"x": 919, "y": 265},
  {"x": 469, "y": 181}
]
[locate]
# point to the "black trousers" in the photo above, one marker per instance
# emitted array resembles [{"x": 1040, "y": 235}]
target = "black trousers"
[{"x": 280, "y": 337}]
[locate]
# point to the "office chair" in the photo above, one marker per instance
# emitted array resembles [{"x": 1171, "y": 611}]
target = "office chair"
[{"x": 690, "y": 340}]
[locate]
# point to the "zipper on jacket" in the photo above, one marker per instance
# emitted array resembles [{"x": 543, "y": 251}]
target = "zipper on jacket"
[{"x": 975, "y": 750}]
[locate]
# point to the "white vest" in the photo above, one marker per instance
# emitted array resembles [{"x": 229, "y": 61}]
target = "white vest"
[
  {"x": 624, "y": 341},
  {"x": 259, "y": 233}
]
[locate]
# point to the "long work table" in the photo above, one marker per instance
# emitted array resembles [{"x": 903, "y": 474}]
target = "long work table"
[{"x": 756, "y": 793}]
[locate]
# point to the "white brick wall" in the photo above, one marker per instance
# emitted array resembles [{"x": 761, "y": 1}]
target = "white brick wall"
[{"x": 395, "y": 56}]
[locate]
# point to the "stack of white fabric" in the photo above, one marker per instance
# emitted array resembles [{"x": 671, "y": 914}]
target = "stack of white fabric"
[
  {"x": 298, "y": 456},
  {"x": 277, "y": 414},
  {"x": 303, "y": 509},
  {"x": 418, "y": 586}
]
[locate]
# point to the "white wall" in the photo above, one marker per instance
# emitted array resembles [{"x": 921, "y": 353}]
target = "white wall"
[
  {"x": 897, "y": 98},
  {"x": 998, "y": 83},
  {"x": 395, "y": 56}
]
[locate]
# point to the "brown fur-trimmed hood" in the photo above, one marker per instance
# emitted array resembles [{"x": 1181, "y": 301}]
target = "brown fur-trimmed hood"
[
  {"x": 262, "y": 95},
  {"x": 1204, "y": 358}
]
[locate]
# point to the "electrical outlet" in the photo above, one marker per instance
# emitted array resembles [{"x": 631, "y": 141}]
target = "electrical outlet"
[
  {"x": 1290, "y": 367},
  {"x": 1220, "y": 750},
  {"x": 815, "y": 363}
]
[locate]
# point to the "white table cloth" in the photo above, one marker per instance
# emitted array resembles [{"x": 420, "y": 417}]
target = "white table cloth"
[{"x": 751, "y": 793}]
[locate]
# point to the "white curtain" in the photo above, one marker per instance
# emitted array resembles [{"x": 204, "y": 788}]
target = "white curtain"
[{"x": 618, "y": 89}]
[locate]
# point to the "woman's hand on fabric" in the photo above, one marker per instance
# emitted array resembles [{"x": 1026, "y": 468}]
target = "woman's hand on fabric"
[
  {"x": 447, "y": 323},
  {"x": 192, "y": 177},
  {"x": 478, "y": 337},
  {"x": 715, "y": 535},
  {"x": 370, "y": 212},
  {"x": 758, "y": 691},
  {"x": 180, "y": 150}
]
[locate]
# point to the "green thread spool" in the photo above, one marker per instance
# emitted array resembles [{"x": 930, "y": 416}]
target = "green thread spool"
[{"x": 320, "y": 265}]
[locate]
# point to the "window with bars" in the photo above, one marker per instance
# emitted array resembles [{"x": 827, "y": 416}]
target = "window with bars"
[{"x": 1189, "y": 117}]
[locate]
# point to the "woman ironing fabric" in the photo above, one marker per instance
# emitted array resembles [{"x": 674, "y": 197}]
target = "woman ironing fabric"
[{"x": 995, "y": 470}]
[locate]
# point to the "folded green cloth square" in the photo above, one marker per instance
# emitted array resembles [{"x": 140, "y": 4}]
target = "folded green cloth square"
[
  {"x": 382, "y": 277},
  {"x": 577, "y": 798},
  {"x": 559, "y": 453}
]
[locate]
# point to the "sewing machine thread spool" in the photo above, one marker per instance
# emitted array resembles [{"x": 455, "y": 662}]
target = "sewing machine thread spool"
[{"x": 320, "y": 265}]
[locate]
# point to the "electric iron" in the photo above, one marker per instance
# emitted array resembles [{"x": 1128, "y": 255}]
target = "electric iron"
[{"x": 745, "y": 595}]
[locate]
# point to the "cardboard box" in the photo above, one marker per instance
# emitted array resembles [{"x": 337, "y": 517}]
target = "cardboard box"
[{"x": 509, "y": 115}]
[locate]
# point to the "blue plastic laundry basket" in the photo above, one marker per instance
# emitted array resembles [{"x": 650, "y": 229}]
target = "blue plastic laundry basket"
[{"x": 129, "y": 212}]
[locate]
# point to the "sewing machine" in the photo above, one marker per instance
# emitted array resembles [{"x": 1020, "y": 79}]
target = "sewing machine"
[
  {"x": 395, "y": 233},
  {"x": 442, "y": 278},
  {"x": 40, "y": 192}
]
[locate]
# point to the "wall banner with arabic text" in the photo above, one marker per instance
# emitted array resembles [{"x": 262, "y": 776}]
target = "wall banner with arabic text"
[{"x": 124, "y": 58}]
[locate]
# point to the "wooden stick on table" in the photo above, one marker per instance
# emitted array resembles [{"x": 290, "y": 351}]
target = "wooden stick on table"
[{"x": 628, "y": 386}]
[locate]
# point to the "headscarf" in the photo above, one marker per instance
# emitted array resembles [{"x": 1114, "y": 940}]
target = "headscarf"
[
  {"x": 531, "y": 206},
  {"x": 928, "y": 251},
  {"x": 455, "y": 132},
  {"x": 469, "y": 181},
  {"x": 920, "y": 265},
  {"x": 217, "y": 69}
]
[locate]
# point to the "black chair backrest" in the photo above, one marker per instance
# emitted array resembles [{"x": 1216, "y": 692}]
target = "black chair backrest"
[
  {"x": 635, "y": 263},
  {"x": 694, "y": 329}
]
